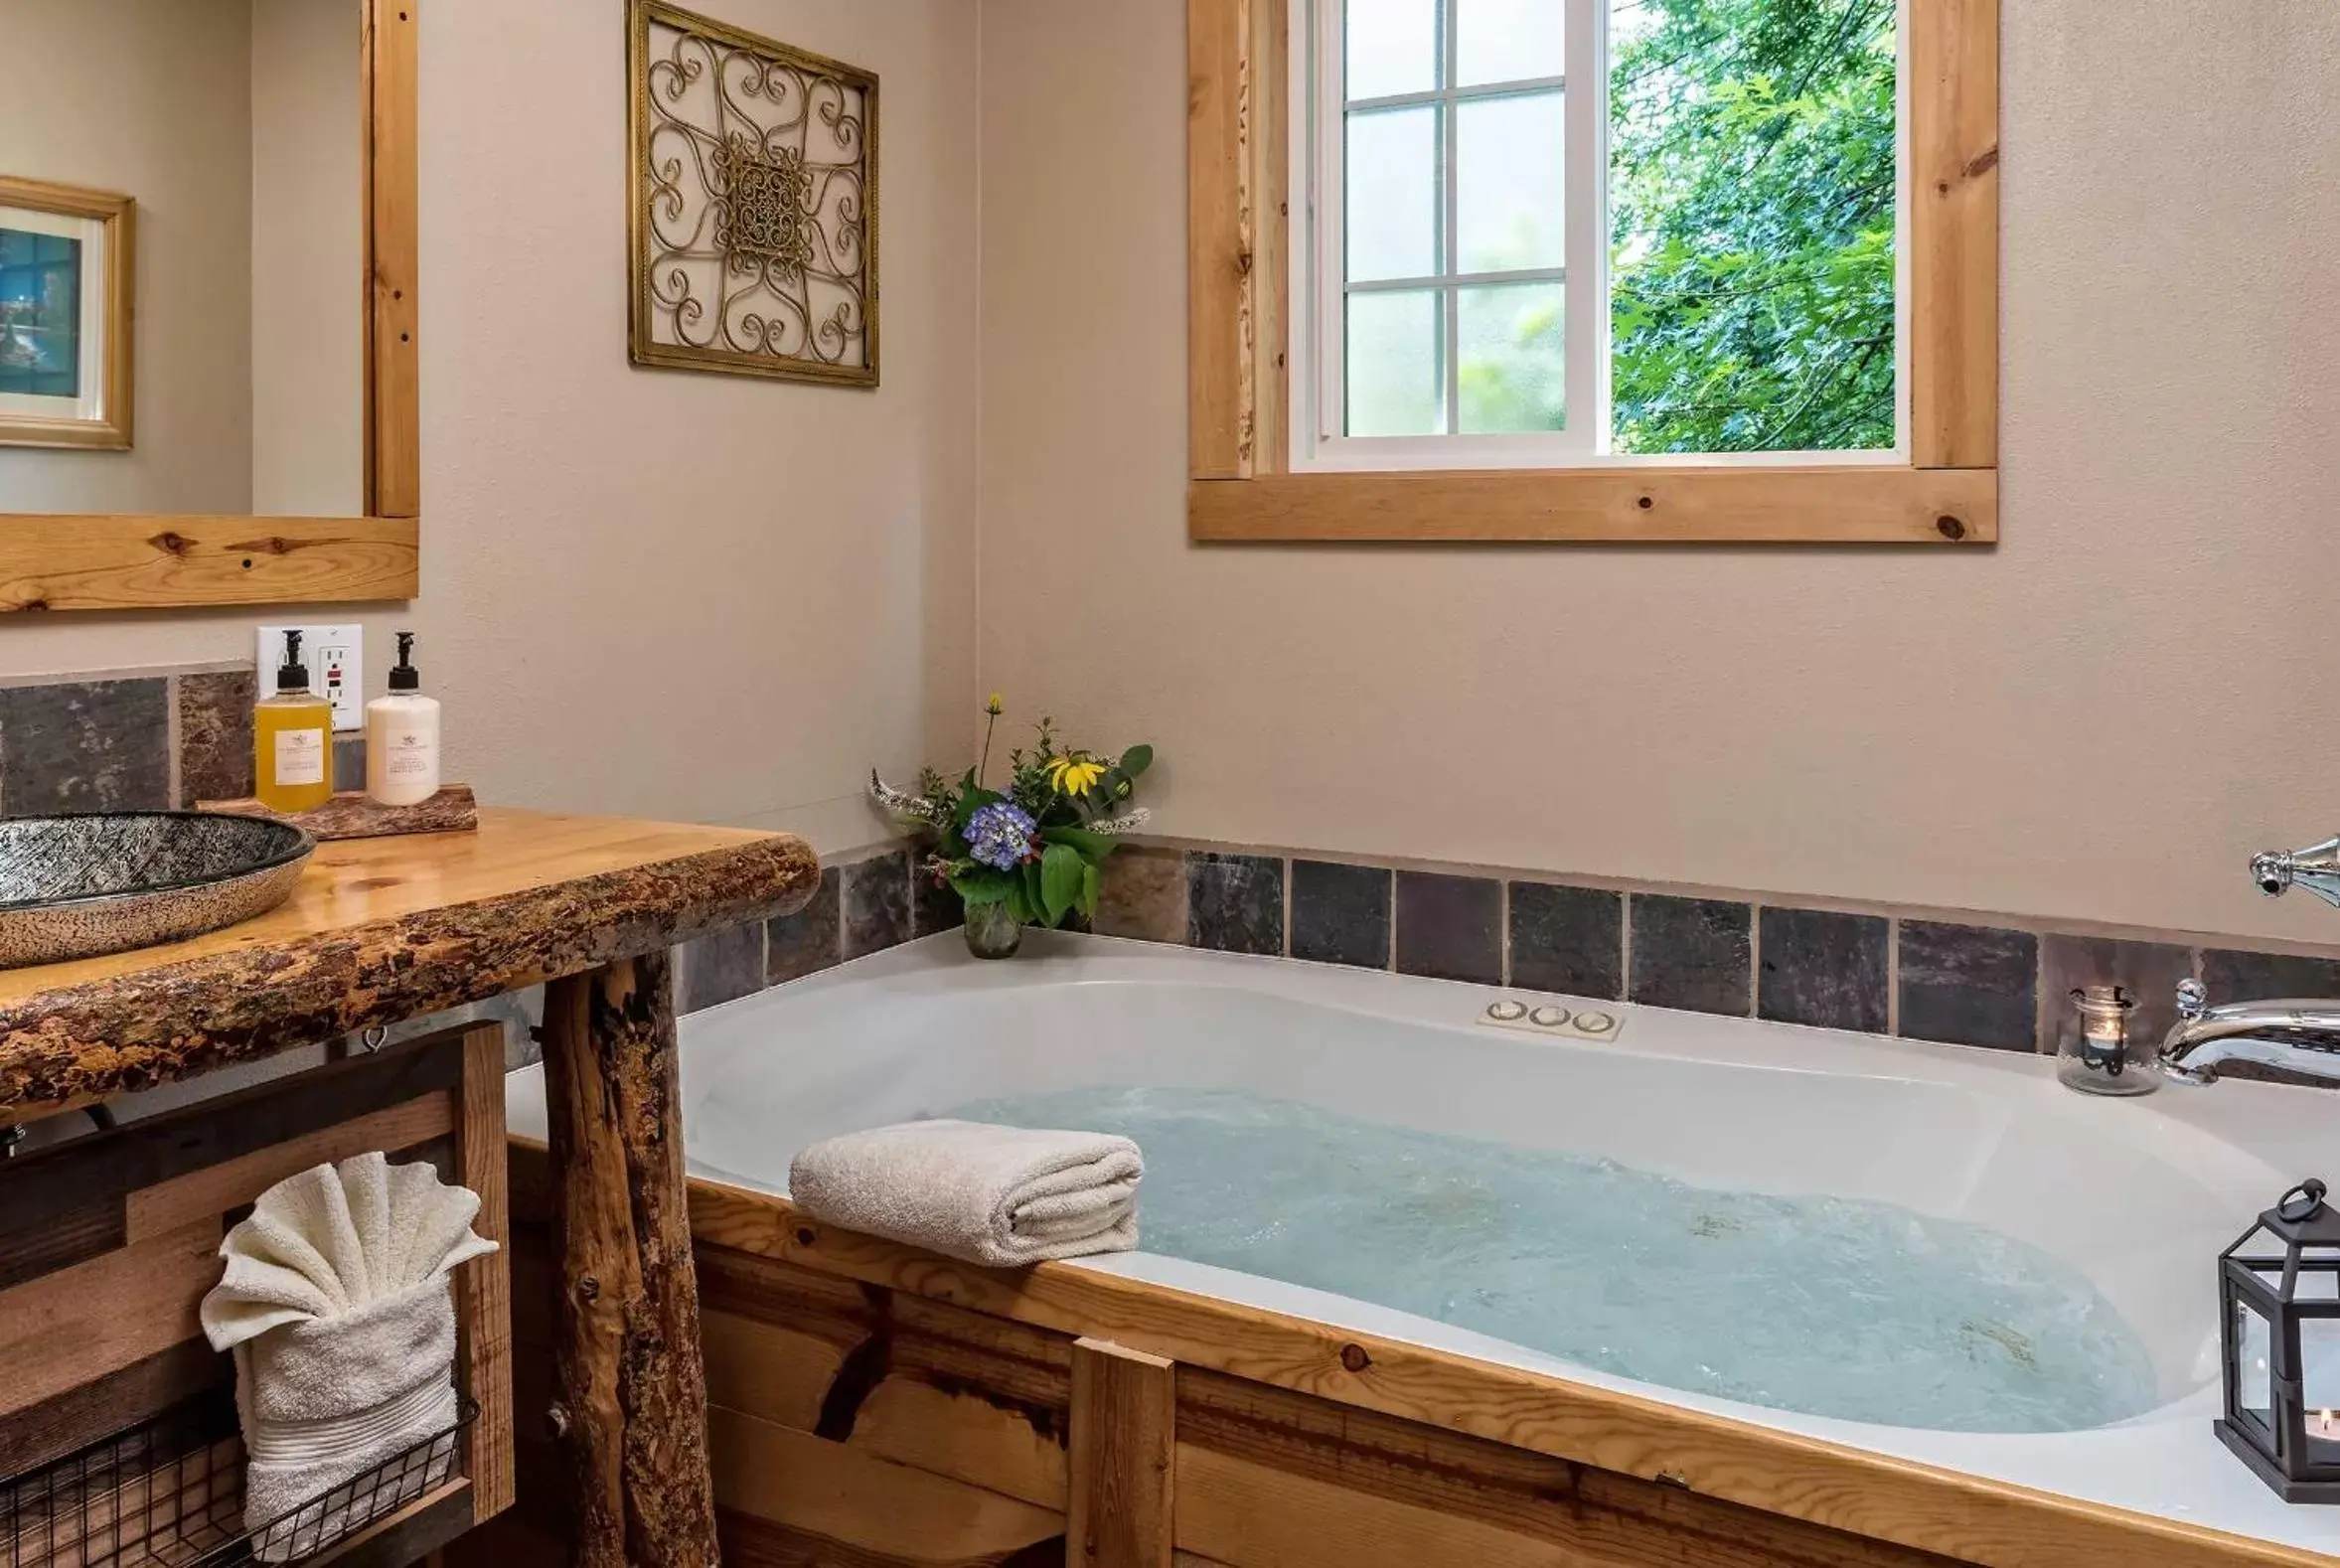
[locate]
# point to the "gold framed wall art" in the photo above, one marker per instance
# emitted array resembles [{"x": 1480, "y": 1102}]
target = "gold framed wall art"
[
  {"x": 68, "y": 269},
  {"x": 753, "y": 223}
]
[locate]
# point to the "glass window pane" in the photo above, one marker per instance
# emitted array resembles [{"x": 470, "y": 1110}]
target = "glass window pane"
[
  {"x": 1392, "y": 368},
  {"x": 1392, "y": 199},
  {"x": 2254, "y": 1381},
  {"x": 1508, "y": 40},
  {"x": 1751, "y": 199},
  {"x": 1511, "y": 370},
  {"x": 1510, "y": 184},
  {"x": 1392, "y": 47}
]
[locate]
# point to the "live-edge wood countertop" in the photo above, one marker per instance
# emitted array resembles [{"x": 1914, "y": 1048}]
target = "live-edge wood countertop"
[{"x": 380, "y": 930}]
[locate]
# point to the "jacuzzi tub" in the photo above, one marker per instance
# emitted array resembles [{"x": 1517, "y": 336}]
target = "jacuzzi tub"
[{"x": 2137, "y": 1195}]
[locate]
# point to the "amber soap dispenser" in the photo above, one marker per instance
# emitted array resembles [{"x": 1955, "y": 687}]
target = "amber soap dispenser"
[{"x": 292, "y": 739}]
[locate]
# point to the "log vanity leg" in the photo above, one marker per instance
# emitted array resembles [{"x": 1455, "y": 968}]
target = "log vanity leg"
[{"x": 632, "y": 1410}]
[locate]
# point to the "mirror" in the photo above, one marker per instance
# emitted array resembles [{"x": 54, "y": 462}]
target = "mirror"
[{"x": 183, "y": 258}]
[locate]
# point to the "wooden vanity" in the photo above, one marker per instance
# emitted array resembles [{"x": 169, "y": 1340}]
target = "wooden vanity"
[{"x": 108, "y": 1242}]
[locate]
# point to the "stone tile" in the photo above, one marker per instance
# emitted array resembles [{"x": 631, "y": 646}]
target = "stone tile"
[
  {"x": 1341, "y": 913},
  {"x": 1235, "y": 903},
  {"x": 1692, "y": 953},
  {"x": 1450, "y": 927},
  {"x": 214, "y": 735},
  {"x": 1568, "y": 939},
  {"x": 1970, "y": 985},
  {"x": 1145, "y": 895},
  {"x": 807, "y": 941},
  {"x": 719, "y": 967},
  {"x": 85, "y": 745},
  {"x": 934, "y": 906},
  {"x": 349, "y": 762},
  {"x": 877, "y": 903},
  {"x": 1823, "y": 969},
  {"x": 2260, "y": 976},
  {"x": 2150, "y": 971}
]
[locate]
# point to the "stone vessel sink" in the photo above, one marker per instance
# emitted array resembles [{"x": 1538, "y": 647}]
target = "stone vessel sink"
[{"x": 81, "y": 885}]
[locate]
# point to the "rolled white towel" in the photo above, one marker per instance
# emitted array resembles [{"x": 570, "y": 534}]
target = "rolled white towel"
[{"x": 1002, "y": 1196}]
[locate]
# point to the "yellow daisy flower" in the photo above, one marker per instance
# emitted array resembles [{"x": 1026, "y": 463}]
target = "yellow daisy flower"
[
  {"x": 1075, "y": 774},
  {"x": 997, "y": 706}
]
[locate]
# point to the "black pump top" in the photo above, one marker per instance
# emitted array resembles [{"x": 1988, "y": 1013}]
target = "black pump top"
[
  {"x": 292, "y": 674},
  {"x": 404, "y": 677}
]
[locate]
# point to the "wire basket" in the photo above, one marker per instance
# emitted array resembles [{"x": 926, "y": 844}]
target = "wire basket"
[{"x": 169, "y": 1492}]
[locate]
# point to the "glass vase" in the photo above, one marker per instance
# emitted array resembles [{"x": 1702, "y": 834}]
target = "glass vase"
[{"x": 991, "y": 933}]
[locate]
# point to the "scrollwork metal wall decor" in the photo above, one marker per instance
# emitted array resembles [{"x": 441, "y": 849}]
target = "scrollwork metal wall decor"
[{"x": 754, "y": 217}]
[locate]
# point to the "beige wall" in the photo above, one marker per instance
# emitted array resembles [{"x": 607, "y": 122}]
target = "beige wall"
[
  {"x": 153, "y": 98},
  {"x": 308, "y": 258},
  {"x": 2100, "y": 718},
  {"x": 690, "y": 596}
]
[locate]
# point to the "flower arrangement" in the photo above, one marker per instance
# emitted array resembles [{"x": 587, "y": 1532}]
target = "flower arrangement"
[{"x": 1032, "y": 850}]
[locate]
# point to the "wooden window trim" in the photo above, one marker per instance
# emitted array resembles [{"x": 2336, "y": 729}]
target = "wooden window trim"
[
  {"x": 121, "y": 562},
  {"x": 1239, "y": 304}
]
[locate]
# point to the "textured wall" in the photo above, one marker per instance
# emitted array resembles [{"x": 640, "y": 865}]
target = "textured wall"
[
  {"x": 2101, "y": 718},
  {"x": 697, "y": 598}
]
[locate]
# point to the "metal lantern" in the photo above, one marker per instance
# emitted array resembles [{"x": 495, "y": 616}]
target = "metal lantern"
[{"x": 2280, "y": 1302}]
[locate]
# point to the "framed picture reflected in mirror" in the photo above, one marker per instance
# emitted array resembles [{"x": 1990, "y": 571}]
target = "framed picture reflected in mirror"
[{"x": 67, "y": 271}]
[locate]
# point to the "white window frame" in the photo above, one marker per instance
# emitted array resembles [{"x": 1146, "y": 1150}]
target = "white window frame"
[{"x": 1319, "y": 288}]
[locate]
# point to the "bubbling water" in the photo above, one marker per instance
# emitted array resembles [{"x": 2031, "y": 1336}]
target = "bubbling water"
[{"x": 1826, "y": 1305}]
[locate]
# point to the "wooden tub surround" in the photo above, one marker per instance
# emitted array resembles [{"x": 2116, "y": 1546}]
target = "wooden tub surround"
[
  {"x": 381, "y": 931},
  {"x": 872, "y": 1405}
]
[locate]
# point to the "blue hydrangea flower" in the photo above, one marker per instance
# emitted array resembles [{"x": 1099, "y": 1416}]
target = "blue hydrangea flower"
[{"x": 1000, "y": 834}]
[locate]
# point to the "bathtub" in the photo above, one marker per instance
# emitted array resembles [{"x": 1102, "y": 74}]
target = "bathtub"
[{"x": 2137, "y": 1195}]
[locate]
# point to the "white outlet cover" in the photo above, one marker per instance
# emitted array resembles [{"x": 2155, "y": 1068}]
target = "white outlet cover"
[{"x": 336, "y": 660}]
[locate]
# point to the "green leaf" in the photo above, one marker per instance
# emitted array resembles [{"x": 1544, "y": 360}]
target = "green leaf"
[
  {"x": 1019, "y": 907},
  {"x": 1033, "y": 900},
  {"x": 980, "y": 887},
  {"x": 1061, "y": 867},
  {"x": 1092, "y": 846},
  {"x": 1135, "y": 760},
  {"x": 1092, "y": 885}
]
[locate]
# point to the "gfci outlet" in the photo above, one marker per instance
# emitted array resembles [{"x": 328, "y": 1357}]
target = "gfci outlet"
[{"x": 336, "y": 661}]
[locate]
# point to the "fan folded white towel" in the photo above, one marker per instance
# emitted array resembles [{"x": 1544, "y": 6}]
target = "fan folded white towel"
[
  {"x": 336, "y": 1302},
  {"x": 1002, "y": 1196}
]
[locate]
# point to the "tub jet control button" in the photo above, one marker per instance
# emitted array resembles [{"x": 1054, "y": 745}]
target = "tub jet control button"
[{"x": 1549, "y": 1017}]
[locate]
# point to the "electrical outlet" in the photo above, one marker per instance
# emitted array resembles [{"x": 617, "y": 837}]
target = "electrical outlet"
[{"x": 336, "y": 661}]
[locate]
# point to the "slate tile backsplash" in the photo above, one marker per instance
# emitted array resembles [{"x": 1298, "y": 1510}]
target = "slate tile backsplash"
[
  {"x": 1450, "y": 927},
  {"x": 1823, "y": 968},
  {"x": 1235, "y": 903},
  {"x": 807, "y": 941},
  {"x": 85, "y": 745},
  {"x": 876, "y": 903},
  {"x": 1568, "y": 939},
  {"x": 1692, "y": 953},
  {"x": 1970, "y": 985},
  {"x": 216, "y": 734},
  {"x": 1341, "y": 913},
  {"x": 721, "y": 967}
]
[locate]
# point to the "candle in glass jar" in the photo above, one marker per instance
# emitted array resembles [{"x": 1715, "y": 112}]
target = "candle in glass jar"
[{"x": 2324, "y": 1424}]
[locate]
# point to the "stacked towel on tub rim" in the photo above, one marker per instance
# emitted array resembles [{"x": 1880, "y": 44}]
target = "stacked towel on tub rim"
[{"x": 338, "y": 1306}]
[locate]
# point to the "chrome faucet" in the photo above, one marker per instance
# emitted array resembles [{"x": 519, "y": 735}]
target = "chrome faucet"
[
  {"x": 2316, "y": 868},
  {"x": 2297, "y": 1036}
]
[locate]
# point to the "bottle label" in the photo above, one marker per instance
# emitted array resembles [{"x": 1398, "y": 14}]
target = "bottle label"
[
  {"x": 409, "y": 756},
  {"x": 300, "y": 757}
]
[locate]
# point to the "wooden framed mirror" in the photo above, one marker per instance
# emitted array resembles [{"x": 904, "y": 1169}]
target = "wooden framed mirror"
[{"x": 207, "y": 285}]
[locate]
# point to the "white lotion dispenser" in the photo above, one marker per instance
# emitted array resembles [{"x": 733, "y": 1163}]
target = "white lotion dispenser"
[{"x": 402, "y": 736}]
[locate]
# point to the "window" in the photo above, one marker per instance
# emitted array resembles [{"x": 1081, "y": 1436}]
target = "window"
[{"x": 1666, "y": 270}]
